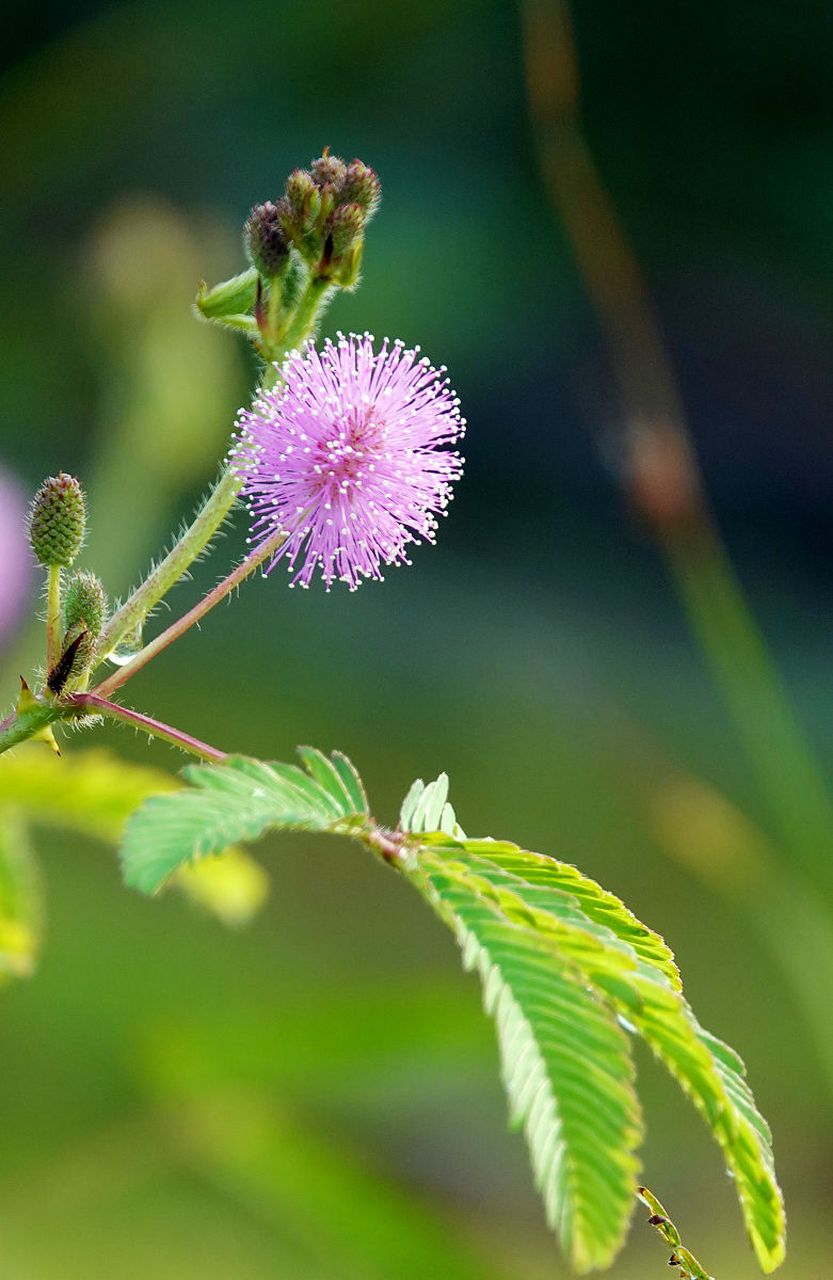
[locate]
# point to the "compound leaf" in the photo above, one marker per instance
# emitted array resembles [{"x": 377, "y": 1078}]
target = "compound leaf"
[{"x": 240, "y": 799}]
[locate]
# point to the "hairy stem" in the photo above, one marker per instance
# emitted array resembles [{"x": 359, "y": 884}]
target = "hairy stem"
[
  {"x": 307, "y": 313},
  {"x": 129, "y": 618},
  {"x": 31, "y": 722},
  {"x": 92, "y": 704},
  {"x": 53, "y": 615},
  {"x": 176, "y": 629},
  {"x": 21, "y": 725}
]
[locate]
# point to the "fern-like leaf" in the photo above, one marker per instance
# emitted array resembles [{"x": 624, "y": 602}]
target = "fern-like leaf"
[
  {"x": 544, "y": 882},
  {"x": 426, "y": 809},
  {"x": 631, "y": 970},
  {"x": 566, "y": 1067},
  {"x": 567, "y": 969},
  {"x": 239, "y": 800}
]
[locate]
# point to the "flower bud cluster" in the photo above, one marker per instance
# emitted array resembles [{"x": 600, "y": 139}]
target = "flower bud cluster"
[
  {"x": 301, "y": 248},
  {"x": 324, "y": 212}
]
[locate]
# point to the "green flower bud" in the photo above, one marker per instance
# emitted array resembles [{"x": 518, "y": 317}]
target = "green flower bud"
[
  {"x": 58, "y": 520},
  {"x": 328, "y": 170},
  {"x": 361, "y": 187},
  {"x": 85, "y": 601},
  {"x": 346, "y": 273},
  {"x": 347, "y": 225},
  {"x": 302, "y": 200},
  {"x": 76, "y": 656},
  {"x": 264, "y": 240}
]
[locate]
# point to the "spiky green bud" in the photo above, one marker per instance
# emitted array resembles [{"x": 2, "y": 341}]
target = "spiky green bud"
[
  {"x": 85, "y": 601},
  {"x": 58, "y": 520},
  {"x": 362, "y": 187},
  {"x": 264, "y": 240}
]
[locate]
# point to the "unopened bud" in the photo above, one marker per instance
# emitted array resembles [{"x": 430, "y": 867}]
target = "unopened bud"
[
  {"x": 361, "y": 187},
  {"x": 264, "y": 240},
  {"x": 347, "y": 225},
  {"x": 329, "y": 170},
  {"x": 346, "y": 271},
  {"x": 58, "y": 520},
  {"x": 85, "y": 601},
  {"x": 302, "y": 199}
]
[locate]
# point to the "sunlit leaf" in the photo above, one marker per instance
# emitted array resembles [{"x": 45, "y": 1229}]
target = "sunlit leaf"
[
  {"x": 642, "y": 987},
  {"x": 566, "y": 968},
  {"x": 566, "y": 1067},
  {"x": 239, "y": 800}
]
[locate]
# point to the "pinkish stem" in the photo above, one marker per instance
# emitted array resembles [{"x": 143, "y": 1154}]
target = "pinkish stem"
[{"x": 93, "y": 704}]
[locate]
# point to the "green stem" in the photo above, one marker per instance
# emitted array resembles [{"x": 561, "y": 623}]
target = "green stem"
[
  {"x": 178, "y": 628},
  {"x": 31, "y": 722},
  {"x": 129, "y": 618},
  {"x": 22, "y": 725},
  {"x": 690, "y": 1268},
  {"x": 53, "y": 615},
  {"x": 306, "y": 315}
]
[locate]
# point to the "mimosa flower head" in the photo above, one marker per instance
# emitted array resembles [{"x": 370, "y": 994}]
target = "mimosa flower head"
[{"x": 349, "y": 454}]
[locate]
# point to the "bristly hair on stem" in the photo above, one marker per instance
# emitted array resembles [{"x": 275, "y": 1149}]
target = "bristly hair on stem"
[
  {"x": 193, "y": 616},
  {"x": 85, "y": 704}
]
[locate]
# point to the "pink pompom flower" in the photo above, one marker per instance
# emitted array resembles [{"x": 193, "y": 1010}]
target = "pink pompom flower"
[{"x": 348, "y": 455}]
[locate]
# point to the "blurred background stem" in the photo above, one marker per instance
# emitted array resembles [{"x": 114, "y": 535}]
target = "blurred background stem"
[
  {"x": 660, "y": 476},
  {"x": 788, "y": 772}
]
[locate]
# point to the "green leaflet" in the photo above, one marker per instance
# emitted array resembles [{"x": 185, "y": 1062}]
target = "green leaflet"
[
  {"x": 566, "y": 1067},
  {"x": 426, "y": 809},
  {"x": 564, "y": 965},
  {"x": 541, "y": 880},
  {"x": 239, "y": 800}
]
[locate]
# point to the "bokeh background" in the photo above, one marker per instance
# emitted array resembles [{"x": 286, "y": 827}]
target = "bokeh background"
[{"x": 317, "y": 1096}]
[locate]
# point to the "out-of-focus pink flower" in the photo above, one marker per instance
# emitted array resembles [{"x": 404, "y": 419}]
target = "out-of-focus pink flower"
[
  {"x": 15, "y": 556},
  {"x": 347, "y": 454}
]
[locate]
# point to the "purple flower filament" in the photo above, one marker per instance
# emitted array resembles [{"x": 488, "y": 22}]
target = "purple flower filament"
[{"x": 348, "y": 455}]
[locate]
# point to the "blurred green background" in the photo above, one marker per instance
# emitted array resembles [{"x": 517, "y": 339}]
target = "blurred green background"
[{"x": 317, "y": 1096}]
